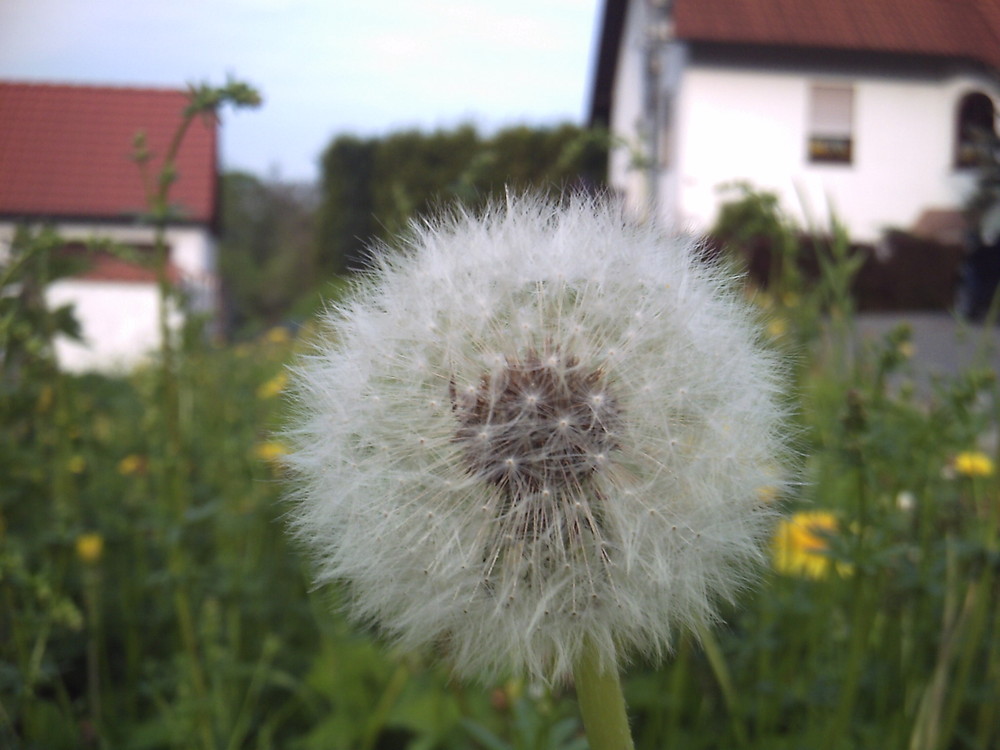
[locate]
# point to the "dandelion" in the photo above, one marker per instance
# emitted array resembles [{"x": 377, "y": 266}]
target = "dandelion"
[
  {"x": 132, "y": 465},
  {"x": 777, "y": 328},
  {"x": 973, "y": 464},
  {"x": 269, "y": 450},
  {"x": 272, "y": 387},
  {"x": 277, "y": 335},
  {"x": 76, "y": 464},
  {"x": 90, "y": 547},
  {"x": 801, "y": 545},
  {"x": 534, "y": 440}
]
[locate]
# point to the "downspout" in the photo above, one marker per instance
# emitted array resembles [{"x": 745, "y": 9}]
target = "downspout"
[{"x": 658, "y": 32}]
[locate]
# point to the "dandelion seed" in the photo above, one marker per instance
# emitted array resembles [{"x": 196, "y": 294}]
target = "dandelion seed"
[{"x": 573, "y": 351}]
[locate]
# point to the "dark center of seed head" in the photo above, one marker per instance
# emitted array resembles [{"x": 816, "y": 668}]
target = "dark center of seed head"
[{"x": 541, "y": 422}]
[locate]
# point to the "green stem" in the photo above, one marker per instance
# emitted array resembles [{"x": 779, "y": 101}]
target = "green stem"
[{"x": 602, "y": 704}]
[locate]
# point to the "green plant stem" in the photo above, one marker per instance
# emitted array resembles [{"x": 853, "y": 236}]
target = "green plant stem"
[
  {"x": 716, "y": 660},
  {"x": 602, "y": 704}
]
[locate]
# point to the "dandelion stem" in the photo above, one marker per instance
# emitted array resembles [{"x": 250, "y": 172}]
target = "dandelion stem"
[{"x": 602, "y": 704}]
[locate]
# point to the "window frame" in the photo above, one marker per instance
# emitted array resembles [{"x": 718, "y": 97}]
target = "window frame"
[{"x": 830, "y": 124}]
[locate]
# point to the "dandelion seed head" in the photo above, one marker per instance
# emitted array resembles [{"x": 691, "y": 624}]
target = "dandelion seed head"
[{"x": 575, "y": 483}]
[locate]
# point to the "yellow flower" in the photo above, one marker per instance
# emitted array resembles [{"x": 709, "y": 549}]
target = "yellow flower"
[
  {"x": 801, "y": 543},
  {"x": 77, "y": 464},
  {"x": 89, "y": 547},
  {"x": 777, "y": 328},
  {"x": 277, "y": 335},
  {"x": 273, "y": 387},
  {"x": 132, "y": 464},
  {"x": 270, "y": 450},
  {"x": 973, "y": 464}
]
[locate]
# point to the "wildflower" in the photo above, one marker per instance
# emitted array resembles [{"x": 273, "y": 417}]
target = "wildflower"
[
  {"x": 536, "y": 430},
  {"x": 89, "y": 547},
  {"x": 973, "y": 464},
  {"x": 269, "y": 450},
  {"x": 277, "y": 335},
  {"x": 132, "y": 465},
  {"x": 906, "y": 500},
  {"x": 273, "y": 387},
  {"x": 777, "y": 328},
  {"x": 77, "y": 464},
  {"x": 801, "y": 545}
]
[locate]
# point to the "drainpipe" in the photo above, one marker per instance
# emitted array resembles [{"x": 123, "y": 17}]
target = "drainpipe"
[{"x": 658, "y": 32}]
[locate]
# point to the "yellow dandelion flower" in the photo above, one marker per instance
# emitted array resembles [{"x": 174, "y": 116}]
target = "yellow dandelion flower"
[
  {"x": 77, "y": 464},
  {"x": 273, "y": 387},
  {"x": 277, "y": 335},
  {"x": 131, "y": 465},
  {"x": 89, "y": 547},
  {"x": 777, "y": 328},
  {"x": 801, "y": 543},
  {"x": 270, "y": 450},
  {"x": 973, "y": 464}
]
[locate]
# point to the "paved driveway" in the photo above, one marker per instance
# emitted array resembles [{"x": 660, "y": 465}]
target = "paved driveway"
[{"x": 943, "y": 345}]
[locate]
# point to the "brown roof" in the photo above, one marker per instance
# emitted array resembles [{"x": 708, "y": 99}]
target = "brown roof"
[
  {"x": 65, "y": 152},
  {"x": 958, "y": 29},
  {"x": 949, "y": 28}
]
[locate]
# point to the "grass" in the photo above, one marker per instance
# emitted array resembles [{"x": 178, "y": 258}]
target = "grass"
[{"x": 150, "y": 598}]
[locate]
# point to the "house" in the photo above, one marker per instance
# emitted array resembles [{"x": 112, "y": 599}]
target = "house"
[
  {"x": 865, "y": 108},
  {"x": 66, "y": 162}
]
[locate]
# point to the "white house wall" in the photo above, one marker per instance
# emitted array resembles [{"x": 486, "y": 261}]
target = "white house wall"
[
  {"x": 119, "y": 319},
  {"x": 120, "y": 322},
  {"x": 626, "y": 111},
  {"x": 751, "y": 125}
]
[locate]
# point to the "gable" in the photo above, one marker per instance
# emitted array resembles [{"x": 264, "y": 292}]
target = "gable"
[{"x": 66, "y": 152}]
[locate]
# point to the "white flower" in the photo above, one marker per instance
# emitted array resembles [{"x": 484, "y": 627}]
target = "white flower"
[{"x": 534, "y": 429}]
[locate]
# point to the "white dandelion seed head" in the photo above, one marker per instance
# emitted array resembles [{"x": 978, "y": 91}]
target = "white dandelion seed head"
[{"x": 534, "y": 428}]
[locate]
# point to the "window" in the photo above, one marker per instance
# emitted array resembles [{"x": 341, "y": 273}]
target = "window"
[
  {"x": 831, "y": 124},
  {"x": 976, "y": 119}
]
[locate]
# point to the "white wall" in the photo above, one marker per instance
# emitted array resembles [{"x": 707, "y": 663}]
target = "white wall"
[
  {"x": 752, "y": 125},
  {"x": 120, "y": 319},
  {"x": 120, "y": 322},
  {"x": 627, "y": 111}
]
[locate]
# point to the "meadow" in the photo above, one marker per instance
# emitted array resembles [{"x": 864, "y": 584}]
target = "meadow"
[{"x": 151, "y": 598}]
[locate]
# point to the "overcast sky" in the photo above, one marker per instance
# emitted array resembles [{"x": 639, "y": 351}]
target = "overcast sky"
[{"x": 325, "y": 67}]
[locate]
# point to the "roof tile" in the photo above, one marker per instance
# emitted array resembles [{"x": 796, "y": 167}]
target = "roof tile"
[
  {"x": 65, "y": 151},
  {"x": 967, "y": 29}
]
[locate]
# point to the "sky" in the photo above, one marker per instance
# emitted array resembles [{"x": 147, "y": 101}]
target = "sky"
[{"x": 324, "y": 67}]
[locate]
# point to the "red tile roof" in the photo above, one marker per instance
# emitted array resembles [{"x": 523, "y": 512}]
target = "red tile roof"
[
  {"x": 101, "y": 265},
  {"x": 65, "y": 152},
  {"x": 967, "y": 29}
]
